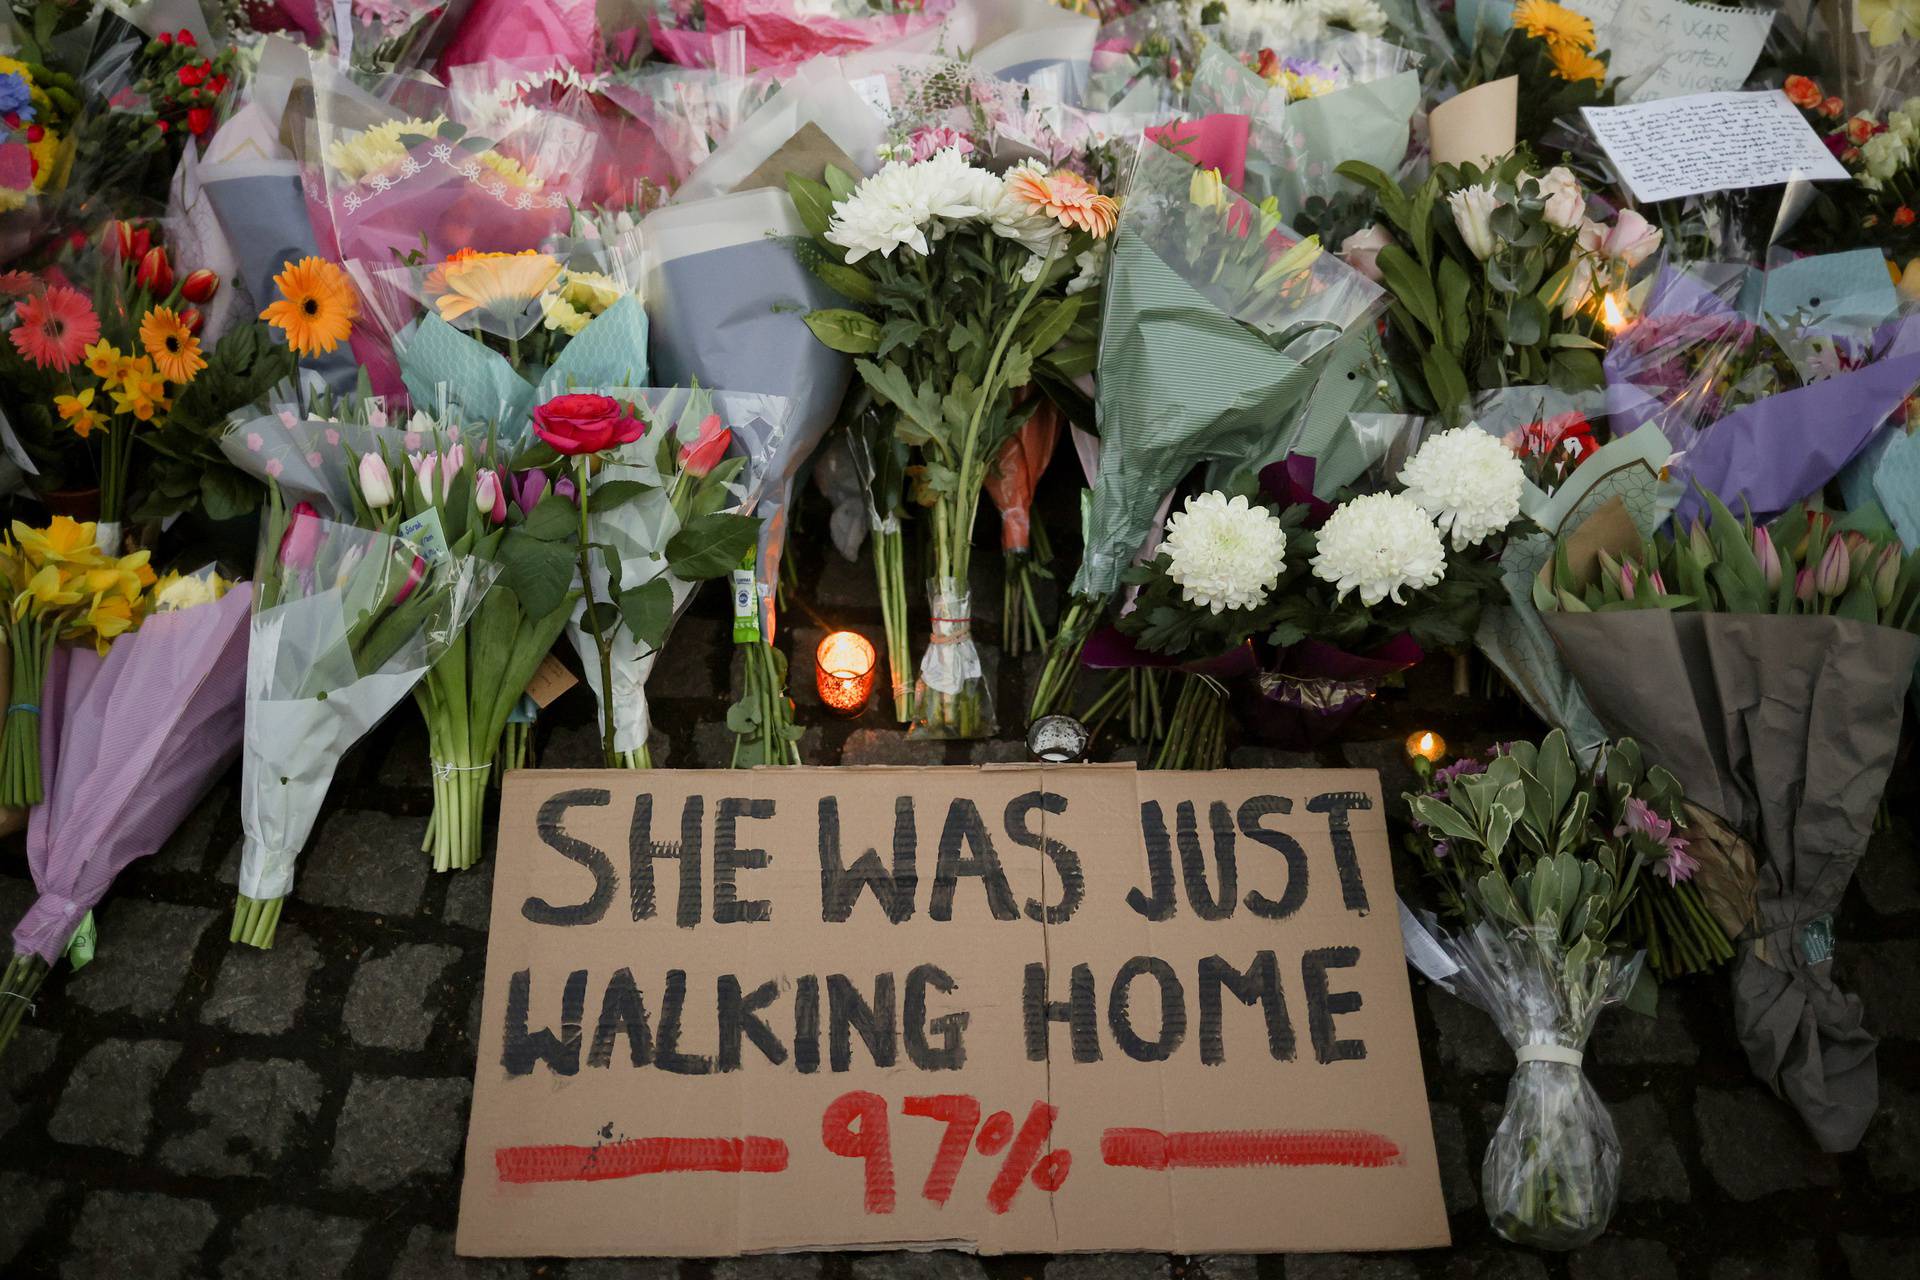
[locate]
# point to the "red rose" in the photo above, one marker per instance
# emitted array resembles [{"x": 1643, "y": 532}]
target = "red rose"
[
  {"x": 189, "y": 76},
  {"x": 580, "y": 423},
  {"x": 1862, "y": 127},
  {"x": 1903, "y": 216},
  {"x": 199, "y": 120},
  {"x": 1803, "y": 92},
  {"x": 185, "y": 37}
]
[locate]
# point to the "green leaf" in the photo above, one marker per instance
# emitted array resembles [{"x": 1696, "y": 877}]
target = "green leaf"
[
  {"x": 711, "y": 546},
  {"x": 813, "y": 201},
  {"x": 1411, "y": 286},
  {"x": 1526, "y": 321},
  {"x": 540, "y": 574},
  {"x": 648, "y": 611},
  {"x": 553, "y": 519},
  {"x": 843, "y": 330},
  {"x": 849, "y": 282},
  {"x": 1049, "y": 324},
  {"x": 226, "y": 492},
  {"x": 609, "y": 494},
  {"x": 1575, "y": 371},
  {"x": 1444, "y": 380},
  {"x": 1444, "y": 818},
  {"x": 1455, "y": 288}
]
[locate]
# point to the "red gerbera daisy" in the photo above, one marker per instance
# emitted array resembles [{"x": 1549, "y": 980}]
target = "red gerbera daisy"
[{"x": 55, "y": 328}]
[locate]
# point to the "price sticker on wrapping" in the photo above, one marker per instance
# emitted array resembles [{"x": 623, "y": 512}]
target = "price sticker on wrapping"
[{"x": 1017, "y": 1009}]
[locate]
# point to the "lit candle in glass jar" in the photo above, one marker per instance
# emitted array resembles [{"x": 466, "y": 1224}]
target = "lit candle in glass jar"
[
  {"x": 843, "y": 669},
  {"x": 1426, "y": 745}
]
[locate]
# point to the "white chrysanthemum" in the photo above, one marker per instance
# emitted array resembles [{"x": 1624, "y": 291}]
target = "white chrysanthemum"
[
  {"x": 1281, "y": 24},
  {"x": 1469, "y": 481},
  {"x": 1380, "y": 544},
  {"x": 1225, "y": 553},
  {"x": 1092, "y": 264},
  {"x": 900, "y": 204}
]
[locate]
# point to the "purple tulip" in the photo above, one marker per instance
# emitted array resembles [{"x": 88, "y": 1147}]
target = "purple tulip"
[
  {"x": 564, "y": 488},
  {"x": 528, "y": 488}
]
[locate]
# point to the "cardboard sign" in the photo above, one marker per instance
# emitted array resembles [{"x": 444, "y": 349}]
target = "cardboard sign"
[{"x": 1021, "y": 1009}]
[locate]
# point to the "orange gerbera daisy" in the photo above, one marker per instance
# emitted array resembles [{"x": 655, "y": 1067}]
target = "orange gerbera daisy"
[
  {"x": 55, "y": 327},
  {"x": 173, "y": 346},
  {"x": 1574, "y": 64},
  {"x": 1066, "y": 197},
  {"x": 316, "y": 308},
  {"x": 502, "y": 283},
  {"x": 1556, "y": 24}
]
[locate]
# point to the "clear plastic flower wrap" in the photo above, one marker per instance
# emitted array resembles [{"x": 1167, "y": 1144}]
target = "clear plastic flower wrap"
[
  {"x": 346, "y": 621},
  {"x": 1551, "y": 1175}
]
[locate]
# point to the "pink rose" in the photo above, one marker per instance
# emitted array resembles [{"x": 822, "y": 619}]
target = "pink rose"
[{"x": 1361, "y": 250}]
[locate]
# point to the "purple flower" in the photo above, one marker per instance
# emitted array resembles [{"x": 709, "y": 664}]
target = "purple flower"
[
  {"x": 528, "y": 488},
  {"x": 1640, "y": 819}
]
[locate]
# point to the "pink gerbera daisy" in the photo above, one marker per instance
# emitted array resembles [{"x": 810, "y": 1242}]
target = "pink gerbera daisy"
[{"x": 55, "y": 328}]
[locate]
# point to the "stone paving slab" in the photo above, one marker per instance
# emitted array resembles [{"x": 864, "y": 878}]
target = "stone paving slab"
[{"x": 184, "y": 1108}]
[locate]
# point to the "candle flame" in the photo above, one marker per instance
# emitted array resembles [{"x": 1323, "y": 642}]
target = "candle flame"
[{"x": 1613, "y": 313}]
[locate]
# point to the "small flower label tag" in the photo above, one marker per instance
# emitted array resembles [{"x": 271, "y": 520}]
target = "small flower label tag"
[
  {"x": 426, "y": 535},
  {"x": 1816, "y": 940},
  {"x": 746, "y": 603}
]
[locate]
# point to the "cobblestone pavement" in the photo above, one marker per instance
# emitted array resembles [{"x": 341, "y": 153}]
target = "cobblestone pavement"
[{"x": 185, "y": 1108}]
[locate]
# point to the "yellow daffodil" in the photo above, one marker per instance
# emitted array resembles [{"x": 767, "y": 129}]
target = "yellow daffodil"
[
  {"x": 78, "y": 413},
  {"x": 185, "y": 591},
  {"x": 104, "y": 361},
  {"x": 47, "y": 590},
  {"x": 64, "y": 541},
  {"x": 108, "y": 616}
]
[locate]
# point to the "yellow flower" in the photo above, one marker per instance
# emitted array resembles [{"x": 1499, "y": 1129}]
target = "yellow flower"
[
  {"x": 590, "y": 291},
  {"x": 77, "y": 412},
  {"x": 510, "y": 169},
  {"x": 1206, "y": 190},
  {"x": 562, "y": 316},
  {"x": 378, "y": 148},
  {"x": 104, "y": 360},
  {"x": 108, "y": 616},
  {"x": 142, "y": 391},
  {"x": 46, "y": 591},
  {"x": 64, "y": 541},
  {"x": 501, "y": 283},
  {"x": 1545, "y": 20},
  {"x": 1888, "y": 21},
  {"x": 316, "y": 308},
  {"x": 173, "y": 347},
  {"x": 1297, "y": 260},
  {"x": 1574, "y": 64},
  {"x": 186, "y": 590}
]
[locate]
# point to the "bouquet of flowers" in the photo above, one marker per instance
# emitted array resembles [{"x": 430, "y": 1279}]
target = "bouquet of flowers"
[
  {"x": 1194, "y": 268},
  {"x": 1540, "y": 869},
  {"x": 781, "y": 34},
  {"x": 463, "y": 500},
  {"x": 1550, "y": 49},
  {"x": 1765, "y": 666},
  {"x": 103, "y": 344},
  {"x": 346, "y": 621},
  {"x": 1305, "y": 580},
  {"x": 1499, "y": 278},
  {"x": 61, "y": 586},
  {"x": 656, "y": 517},
  {"x": 131, "y": 741},
  {"x": 963, "y": 279}
]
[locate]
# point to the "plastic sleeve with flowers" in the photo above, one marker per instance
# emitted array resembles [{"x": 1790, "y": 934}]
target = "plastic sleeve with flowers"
[
  {"x": 817, "y": 100},
  {"x": 138, "y": 737},
  {"x": 694, "y": 460},
  {"x": 728, "y": 296},
  {"x": 347, "y": 621},
  {"x": 390, "y": 36},
  {"x": 781, "y": 35},
  {"x": 397, "y": 168},
  {"x": 1213, "y": 316}
]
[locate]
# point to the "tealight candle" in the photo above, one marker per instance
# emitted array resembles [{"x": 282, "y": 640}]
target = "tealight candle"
[
  {"x": 1427, "y": 745},
  {"x": 843, "y": 670}
]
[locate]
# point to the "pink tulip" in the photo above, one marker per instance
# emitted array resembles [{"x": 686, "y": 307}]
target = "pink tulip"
[
  {"x": 300, "y": 544},
  {"x": 490, "y": 496},
  {"x": 416, "y": 572},
  {"x": 1835, "y": 568},
  {"x": 1768, "y": 556}
]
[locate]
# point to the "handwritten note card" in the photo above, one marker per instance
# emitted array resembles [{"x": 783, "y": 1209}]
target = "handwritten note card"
[
  {"x": 1711, "y": 142},
  {"x": 1680, "y": 48}
]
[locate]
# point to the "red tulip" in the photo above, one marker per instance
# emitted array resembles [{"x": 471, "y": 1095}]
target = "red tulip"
[
  {"x": 705, "y": 453},
  {"x": 199, "y": 120},
  {"x": 200, "y": 286},
  {"x": 117, "y": 239},
  {"x": 155, "y": 273},
  {"x": 415, "y": 573}
]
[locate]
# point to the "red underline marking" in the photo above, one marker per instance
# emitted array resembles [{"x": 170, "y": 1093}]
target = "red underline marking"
[
  {"x": 1246, "y": 1148},
  {"x": 634, "y": 1156}
]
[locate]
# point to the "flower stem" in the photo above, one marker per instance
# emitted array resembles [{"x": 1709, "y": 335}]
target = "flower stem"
[{"x": 601, "y": 640}]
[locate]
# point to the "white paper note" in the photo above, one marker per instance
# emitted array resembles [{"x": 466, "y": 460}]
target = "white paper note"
[
  {"x": 1711, "y": 142},
  {"x": 1688, "y": 48}
]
